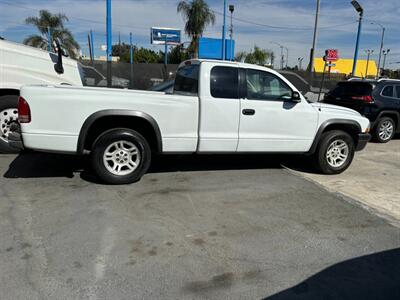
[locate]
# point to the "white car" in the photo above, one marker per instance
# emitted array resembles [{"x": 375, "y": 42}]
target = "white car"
[{"x": 216, "y": 107}]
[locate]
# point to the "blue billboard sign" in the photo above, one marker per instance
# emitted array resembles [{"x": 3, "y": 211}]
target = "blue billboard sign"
[
  {"x": 212, "y": 48},
  {"x": 159, "y": 35}
]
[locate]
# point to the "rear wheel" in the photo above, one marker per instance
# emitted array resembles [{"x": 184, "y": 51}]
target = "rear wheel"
[
  {"x": 384, "y": 130},
  {"x": 121, "y": 156},
  {"x": 8, "y": 115},
  {"x": 335, "y": 152}
]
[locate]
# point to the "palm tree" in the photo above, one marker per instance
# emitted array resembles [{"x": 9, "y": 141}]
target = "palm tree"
[
  {"x": 55, "y": 22},
  {"x": 197, "y": 15}
]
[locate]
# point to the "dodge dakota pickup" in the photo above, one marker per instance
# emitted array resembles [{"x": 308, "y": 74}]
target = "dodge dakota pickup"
[{"x": 215, "y": 107}]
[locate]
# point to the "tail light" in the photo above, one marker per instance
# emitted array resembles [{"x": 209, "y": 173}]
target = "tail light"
[
  {"x": 367, "y": 99},
  {"x": 24, "y": 111}
]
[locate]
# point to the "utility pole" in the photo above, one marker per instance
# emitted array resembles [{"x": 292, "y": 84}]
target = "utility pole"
[
  {"x": 312, "y": 51},
  {"x": 360, "y": 10},
  {"x": 231, "y": 9},
  {"x": 223, "y": 32},
  {"x": 92, "y": 43},
  {"x": 369, "y": 52},
  {"x": 381, "y": 49},
  {"x": 109, "y": 44}
]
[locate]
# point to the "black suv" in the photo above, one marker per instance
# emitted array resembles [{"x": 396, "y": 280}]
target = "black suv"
[{"x": 379, "y": 101}]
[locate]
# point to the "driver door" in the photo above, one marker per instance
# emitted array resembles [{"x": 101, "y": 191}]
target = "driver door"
[{"x": 270, "y": 121}]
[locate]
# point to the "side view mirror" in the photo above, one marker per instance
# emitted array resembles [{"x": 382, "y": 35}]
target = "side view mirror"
[
  {"x": 58, "y": 67},
  {"x": 296, "y": 97}
]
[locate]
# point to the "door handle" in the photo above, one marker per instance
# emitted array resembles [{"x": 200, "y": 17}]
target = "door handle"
[{"x": 248, "y": 112}]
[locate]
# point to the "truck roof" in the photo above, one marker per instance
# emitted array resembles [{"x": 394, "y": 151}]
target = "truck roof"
[
  {"x": 31, "y": 51},
  {"x": 227, "y": 62}
]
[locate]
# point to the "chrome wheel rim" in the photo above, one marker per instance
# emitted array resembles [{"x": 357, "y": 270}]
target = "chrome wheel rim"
[
  {"x": 7, "y": 116},
  {"x": 337, "y": 153},
  {"x": 121, "y": 158},
  {"x": 386, "y": 130}
]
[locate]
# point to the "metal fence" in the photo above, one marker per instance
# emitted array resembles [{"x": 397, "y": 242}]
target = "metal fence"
[
  {"x": 143, "y": 76},
  {"x": 140, "y": 76}
]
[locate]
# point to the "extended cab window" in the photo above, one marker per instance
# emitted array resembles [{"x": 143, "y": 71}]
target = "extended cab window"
[
  {"x": 388, "y": 91},
  {"x": 266, "y": 86},
  {"x": 225, "y": 82},
  {"x": 187, "y": 80}
]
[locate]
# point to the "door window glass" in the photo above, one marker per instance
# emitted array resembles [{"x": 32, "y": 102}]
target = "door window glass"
[
  {"x": 187, "y": 80},
  {"x": 266, "y": 86},
  {"x": 398, "y": 91},
  {"x": 388, "y": 91},
  {"x": 225, "y": 82}
]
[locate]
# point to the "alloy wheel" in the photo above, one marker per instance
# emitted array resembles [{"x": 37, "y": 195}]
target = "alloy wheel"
[
  {"x": 337, "y": 153},
  {"x": 121, "y": 158}
]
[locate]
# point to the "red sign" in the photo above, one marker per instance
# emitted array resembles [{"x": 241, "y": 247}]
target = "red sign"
[{"x": 331, "y": 55}]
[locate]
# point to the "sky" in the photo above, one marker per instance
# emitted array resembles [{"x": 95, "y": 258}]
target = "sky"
[{"x": 257, "y": 22}]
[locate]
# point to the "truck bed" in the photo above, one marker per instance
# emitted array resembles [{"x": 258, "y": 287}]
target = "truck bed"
[{"x": 59, "y": 112}]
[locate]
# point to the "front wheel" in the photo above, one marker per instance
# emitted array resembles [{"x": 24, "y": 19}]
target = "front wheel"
[
  {"x": 335, "y": 152},
  {"x": 121, "y": 156}
]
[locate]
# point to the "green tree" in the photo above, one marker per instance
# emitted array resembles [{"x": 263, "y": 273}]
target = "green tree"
[
  {"x": 177, "y": 55},
  {"x": 257, "y": 56},
  {"x": 55, "y": 22},
  {"x": 197, "y": 15}
]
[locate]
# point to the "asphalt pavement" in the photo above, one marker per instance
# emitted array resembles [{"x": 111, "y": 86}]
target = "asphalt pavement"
[{"x": 207, "y": 227}]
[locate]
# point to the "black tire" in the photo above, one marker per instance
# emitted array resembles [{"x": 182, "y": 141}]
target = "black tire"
[
  {"x": 379, "y": 126},
  {"x": 327, "y": 139},
  {"x": 127, "y": 136},
  {"x": 6, "y": 102}
]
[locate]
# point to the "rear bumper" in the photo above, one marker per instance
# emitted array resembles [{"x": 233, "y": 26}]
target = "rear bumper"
[
  {"x": 363, "y": 139},
  {"x": 15, "y": 137}
]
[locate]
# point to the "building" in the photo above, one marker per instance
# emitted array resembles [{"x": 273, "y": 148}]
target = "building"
[{"x": 345, "y": 66}]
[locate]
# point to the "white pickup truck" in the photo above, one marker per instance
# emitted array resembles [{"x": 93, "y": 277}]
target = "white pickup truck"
[{"x": 216, "y": 107}]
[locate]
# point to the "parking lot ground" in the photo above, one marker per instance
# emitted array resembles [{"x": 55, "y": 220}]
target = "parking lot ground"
[
  {"x": 237, "y": 227},
  {"x": 373, "y": 179}
]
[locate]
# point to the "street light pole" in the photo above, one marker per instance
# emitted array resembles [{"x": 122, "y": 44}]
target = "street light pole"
[
  {"x": 385, "y": 52},
  {"x": 300, "y": 60},
  {"x": 287, "y": 56},
  {"x": 282, "y": 56},
  {"x": 312, "y": 52},
  {"x": 369, "y": 52},
  {"x": 223, "y": 32},
  {"x": 381, "y": 49},
  {"x": 231, "y": 9},
  {"x": 360, "y": 10},
  {"x": 109, "y": 43}
]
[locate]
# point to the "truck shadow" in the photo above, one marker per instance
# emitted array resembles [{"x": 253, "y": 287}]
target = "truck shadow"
[
  {"x": 40, "y": 165},
  {"x": 375, "y": 276}
]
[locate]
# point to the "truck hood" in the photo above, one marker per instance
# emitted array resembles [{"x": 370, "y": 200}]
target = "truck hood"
[{"x": 335, "y": 109}]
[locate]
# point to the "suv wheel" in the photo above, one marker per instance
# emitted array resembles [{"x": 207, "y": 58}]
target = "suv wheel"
[
  {"x": 384, "y": 130},
  {"x": 335, "y": 152},
  {"x": 121, "y": 156},
  {"x": 8, "y": 114}
]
